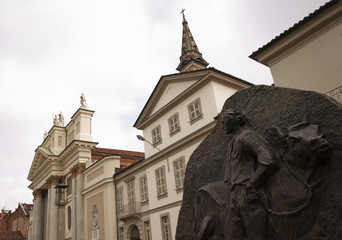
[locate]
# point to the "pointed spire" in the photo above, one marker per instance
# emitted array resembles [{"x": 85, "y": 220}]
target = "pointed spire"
[{"x": 191, "y": 59}]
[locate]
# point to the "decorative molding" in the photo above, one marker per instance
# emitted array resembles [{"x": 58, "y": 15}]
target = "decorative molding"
[
  {"x": 38, "y": 193},
  {"x": 54, "y": 180},
  {"x": 77, "y": 169}
]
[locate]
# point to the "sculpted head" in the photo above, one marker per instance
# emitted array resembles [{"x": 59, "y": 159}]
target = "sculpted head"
[
  {"x": 232, "y": 119},
  {"x": 305, "y": 146}
]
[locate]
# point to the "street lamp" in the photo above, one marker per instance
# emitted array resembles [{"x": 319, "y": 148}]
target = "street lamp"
[
  {"x": 141, "y": 138},
  {"x": 61, "y": 194}
]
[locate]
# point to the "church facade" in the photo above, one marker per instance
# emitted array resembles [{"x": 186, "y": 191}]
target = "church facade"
[{"x": 72, "y": 182}]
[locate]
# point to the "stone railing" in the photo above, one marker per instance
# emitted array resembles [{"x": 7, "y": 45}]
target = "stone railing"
[
  {"x": 336, "y": 94},
  {"x": 129, "y": 210}
]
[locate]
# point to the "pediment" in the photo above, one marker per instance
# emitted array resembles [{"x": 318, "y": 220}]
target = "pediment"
[
  {"x": 167, "y": 90},
  {"x": 40, "y": 157}
]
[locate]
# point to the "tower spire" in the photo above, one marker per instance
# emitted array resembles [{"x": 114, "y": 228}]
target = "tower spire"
[{"x": 191, "y": 59}]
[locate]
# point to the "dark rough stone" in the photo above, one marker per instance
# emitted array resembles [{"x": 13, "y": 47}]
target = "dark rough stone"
[{"x": 266, "y": 107}]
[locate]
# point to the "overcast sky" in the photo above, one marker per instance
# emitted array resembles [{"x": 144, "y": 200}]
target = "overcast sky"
[{"x": 114, "y": 52}]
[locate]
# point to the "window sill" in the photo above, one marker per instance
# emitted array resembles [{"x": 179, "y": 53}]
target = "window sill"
[
  {"x": 175, "y": 132},
  {"x": 179, "y": 190},
  {"x": 163, "y": 195},
  {"x": 199, "y": 117}
]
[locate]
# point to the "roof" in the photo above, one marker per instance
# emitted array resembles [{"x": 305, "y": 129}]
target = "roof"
[
  {"x": 184, "y": 73},
  {"x": 11, "y": 235},
  {"x": 294, "y": 27},
  {"x": 46, "y": 151},
  {"x": 107, "y": 151},
  {"x": 26, "y": 208}
]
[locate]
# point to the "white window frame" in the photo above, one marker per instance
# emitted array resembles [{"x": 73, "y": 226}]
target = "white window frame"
[
  {"x": 179, "y": 171},
  {"x": 156, "y": 135},
  {"x": 161, "y": 181},
  {"x": 174, "y": 124},
  {"x": 131, "y": 196},
  {"x": 195, "y": 111},
  {"x": 119, "y": 198},
  {"x": 143, "y": 189},
  {"x": 147, "y": 230},
  {"x": 166, "y": 227}
]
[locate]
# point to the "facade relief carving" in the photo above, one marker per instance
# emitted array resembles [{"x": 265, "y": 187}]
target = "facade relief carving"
[{"x": 271, "y": 177}]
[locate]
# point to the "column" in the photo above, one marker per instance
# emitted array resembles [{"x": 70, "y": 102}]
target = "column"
[
  {"x": 47, "y": 220},
  {"x": 38, "y": 215},
  {"x": 53, "y": 208},
  {"x": 78, "y": 203}
]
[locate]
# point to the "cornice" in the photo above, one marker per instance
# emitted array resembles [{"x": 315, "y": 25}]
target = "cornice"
[
  {"x": 210, "y": 76},
  {"x": 285, "y": 44},
  {"x": 97, "y": 185},
  {"x": 122, "y": 175},
  {"x": 75, "y": 145}
]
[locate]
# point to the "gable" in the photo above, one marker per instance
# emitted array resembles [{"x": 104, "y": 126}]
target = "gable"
[
  {"x": 171, "y": 91},
  {"x": 39, "y": 158},
  {"x": 168, "y": 88}
]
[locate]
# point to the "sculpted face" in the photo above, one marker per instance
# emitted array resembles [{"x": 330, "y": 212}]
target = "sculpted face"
[
  {"x": 306, "y": 147},
  {"x": 228, "y": 124}
]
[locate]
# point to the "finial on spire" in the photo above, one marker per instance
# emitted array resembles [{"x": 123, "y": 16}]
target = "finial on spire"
[
  {"x": 45, "y": 134},
  {"x": 83, "y": 101},
  {"x": 182, "y": 12}
]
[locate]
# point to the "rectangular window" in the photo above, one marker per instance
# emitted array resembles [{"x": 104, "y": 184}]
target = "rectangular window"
[
  {"x": 53, "y": 142},
  {"x": 147, "y": 230},
  {"x": 195, "y": 111},
  {"x": 143, "y": 189},
  {"x": 166, "y": 231},
  {"x": 131, "y": 198},
  {"x": 161, "y": 181},
  {"x": 119, "y": 198},
  {"x": 156, "y": 135},
  {"x": 179, "y": 169},
  {"x": 174, "y": 124}
]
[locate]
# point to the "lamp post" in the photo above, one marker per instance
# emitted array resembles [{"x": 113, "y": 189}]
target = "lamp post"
[
  {"x": 61, "y": 194},
  {"x": 141, "y": 138}
]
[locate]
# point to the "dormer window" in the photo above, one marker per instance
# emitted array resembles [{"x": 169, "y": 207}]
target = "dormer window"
[{"x": 156, "y": 135}]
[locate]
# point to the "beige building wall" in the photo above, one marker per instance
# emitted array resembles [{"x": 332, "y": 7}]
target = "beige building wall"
[
  {"x": 99, "y": 198},
  {"x": 315, "y": 65}
]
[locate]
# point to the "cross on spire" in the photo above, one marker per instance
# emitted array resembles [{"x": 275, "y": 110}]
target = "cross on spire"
[{"x": 191, "y": 59}]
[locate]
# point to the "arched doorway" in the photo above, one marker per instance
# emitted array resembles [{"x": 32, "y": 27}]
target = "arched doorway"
[{"x": 134, "y": 233}]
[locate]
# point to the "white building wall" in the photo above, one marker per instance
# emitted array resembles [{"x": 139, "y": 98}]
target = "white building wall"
[{"x": 209, "y": 111}]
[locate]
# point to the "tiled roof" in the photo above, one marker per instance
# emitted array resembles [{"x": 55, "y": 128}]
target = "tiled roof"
[
  {"x": 12, "y": 235},
  {"x": 294, "y": 27},
  {"x": 27, "y": 208},
  {"x": 107, "y": 151}
]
